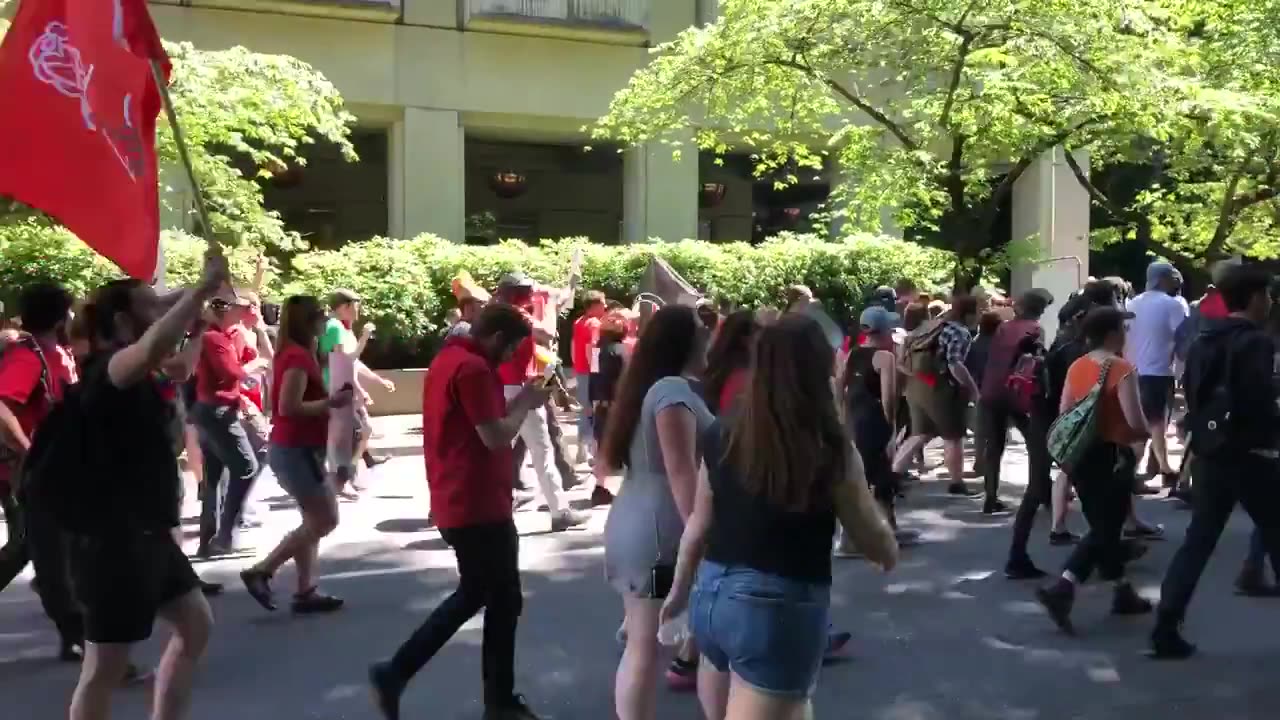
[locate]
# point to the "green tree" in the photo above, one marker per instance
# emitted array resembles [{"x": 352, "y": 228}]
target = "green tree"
[
  {"x": 1213, "y": 178},
  {"x": 934, "y": 108},
  {"x": 244, "y": 116}
]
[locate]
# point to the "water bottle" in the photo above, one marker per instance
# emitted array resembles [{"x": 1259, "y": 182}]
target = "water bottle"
[{"x": 674, "y": 631}]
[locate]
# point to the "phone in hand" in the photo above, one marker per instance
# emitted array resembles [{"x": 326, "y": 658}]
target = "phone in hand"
[{"x": 548, "y": 375}]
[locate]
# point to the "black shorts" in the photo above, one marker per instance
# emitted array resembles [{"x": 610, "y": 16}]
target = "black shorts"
[
  {"x": 1156, "y": 393},
  {"x": 122, "y": 582}
]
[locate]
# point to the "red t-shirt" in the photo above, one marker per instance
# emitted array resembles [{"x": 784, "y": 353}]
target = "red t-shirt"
[
  {"x": 470, "y": 483},
  {"x": 219, "y": 370},
  {"x": 304, "y": 431},
  {"x": 585, "y": 330},
  {"x": 22, "y": 391},
  {"x": 247, "y": 352},
  {"x": 1212, "y": 305},
  {"x": 520, "y": 367},
  {"x": 734, "y": 385}
]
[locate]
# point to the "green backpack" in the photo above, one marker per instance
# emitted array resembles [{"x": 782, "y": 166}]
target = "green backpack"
[{"x": 1076, "y": 430}]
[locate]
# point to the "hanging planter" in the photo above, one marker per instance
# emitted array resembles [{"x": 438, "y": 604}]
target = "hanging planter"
[
  {"x": 711, "y": 194},
  {"x": 508, "y": 184},
  {"x": 285, "y": 176}
]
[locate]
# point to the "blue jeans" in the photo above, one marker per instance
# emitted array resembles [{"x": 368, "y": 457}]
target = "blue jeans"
[
  {"x": 1255, "y": 561},
  {"x": 582, "y": 393},
  {"x": 226, "y": 446},
  {"x": 768, "y": 630}
]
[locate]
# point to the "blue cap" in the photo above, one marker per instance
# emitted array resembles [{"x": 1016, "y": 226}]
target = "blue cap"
[{"x": 877, "y": 319}]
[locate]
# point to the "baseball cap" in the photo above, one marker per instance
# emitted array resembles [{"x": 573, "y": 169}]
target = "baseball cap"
[
  {"x": 515, "y": 280},
  {"x": 1035, "y": 301},
  {"x": 1161, "y": 270},
  {"x": 885, "y": 294},
  {"x": 1100, "y": 321},
  {"x": 343, "y": 297},
  {"x": 877, "y": 319}
]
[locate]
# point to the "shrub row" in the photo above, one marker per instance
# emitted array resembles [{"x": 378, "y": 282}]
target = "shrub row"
[{"x": 406, "y": 283}]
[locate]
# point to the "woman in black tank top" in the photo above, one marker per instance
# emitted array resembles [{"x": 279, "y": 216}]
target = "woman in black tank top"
[
  {"x": 779, "y": 473},
  {"x": 870, "y": 386}
]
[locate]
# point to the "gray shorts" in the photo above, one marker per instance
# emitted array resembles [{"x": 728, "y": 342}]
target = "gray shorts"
[{"x": 299, "y": 470}]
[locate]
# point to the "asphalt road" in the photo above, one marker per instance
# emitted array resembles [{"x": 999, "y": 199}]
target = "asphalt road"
[{"x": 943, "y": 637}]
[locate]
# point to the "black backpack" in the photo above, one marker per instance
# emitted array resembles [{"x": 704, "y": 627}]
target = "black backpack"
[{"x": 61, "y": 476}]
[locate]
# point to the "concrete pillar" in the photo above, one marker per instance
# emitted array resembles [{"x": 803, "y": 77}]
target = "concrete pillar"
[
  {"x": 659, "y": 194},
  {"x": 427, "y": 175},
  {"x": 175, "y": 199},
  {"x": 1050, "y": 206}
]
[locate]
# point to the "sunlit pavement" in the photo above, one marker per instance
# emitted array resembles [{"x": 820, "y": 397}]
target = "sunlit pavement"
[{"x": 944, "y": 636}]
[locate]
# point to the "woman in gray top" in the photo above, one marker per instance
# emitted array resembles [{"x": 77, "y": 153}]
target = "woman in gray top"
[{"x": 652, "y": 435}]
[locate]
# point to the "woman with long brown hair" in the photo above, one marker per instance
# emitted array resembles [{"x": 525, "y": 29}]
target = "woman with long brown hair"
[
  {"x": 296, "y": 454},
  {"x": 653, "y": 432},
  {"x": 728, "y": 360},
  {"x": 779, "y": 475}
]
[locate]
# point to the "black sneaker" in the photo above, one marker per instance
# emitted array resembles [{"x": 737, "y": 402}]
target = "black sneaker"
[
  {"x": 1144, "y": 532},
  {"x": 1133, "y": 550},
  {"x": 515, "y": 709},
  {"x": 1254, "y": 584},
  {"x": 385, "y": 690},
  {"x": 1023, "y": 570},
  {"x": 1128, "y": 602},
  {"x": 210, "y": 589},
  {"x": 1066, "y": 537},
  {"x": 314, "y": 602},
  {"x": 1057, "y": 600},
  {"x": 1167, "y": 643},
  {"x": 601, "y": 496},
  {"x": 995, "y": 507},
  {"x": 961, "y": 490}
]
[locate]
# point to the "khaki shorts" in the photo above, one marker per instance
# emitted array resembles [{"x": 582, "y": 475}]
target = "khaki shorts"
[{"x": 937, "y": 411}]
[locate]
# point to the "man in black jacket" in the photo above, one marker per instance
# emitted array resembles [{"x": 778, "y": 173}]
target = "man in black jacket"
[{"x": 1235, "y": 438}]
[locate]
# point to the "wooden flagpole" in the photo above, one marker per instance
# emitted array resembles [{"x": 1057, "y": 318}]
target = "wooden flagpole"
[{"x": 157, "y": 71}]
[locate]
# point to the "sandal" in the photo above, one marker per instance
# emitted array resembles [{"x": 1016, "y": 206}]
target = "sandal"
[{"x": 258, "y": 583}]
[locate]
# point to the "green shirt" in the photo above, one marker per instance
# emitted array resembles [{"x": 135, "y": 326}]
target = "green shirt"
[{"x": 335, "y": 333}]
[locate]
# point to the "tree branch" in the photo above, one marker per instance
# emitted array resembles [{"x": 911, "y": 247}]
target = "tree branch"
[
  {"x": 1099, "y": 198},
  {"x": 875, "y": 114},
  {"x": 955, "y": 179},
  {"x": 1226, "y": 216},
  {"x": 957, "y": 71},
  {"x": 1019, "y": 168}
]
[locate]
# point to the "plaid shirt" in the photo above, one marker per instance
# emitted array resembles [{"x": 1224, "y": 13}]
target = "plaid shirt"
[{"x": 953, "y": 344}]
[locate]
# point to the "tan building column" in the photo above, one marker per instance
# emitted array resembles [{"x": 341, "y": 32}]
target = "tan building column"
[
  {"x": 659, "y": 194},
  {"x": 1049, "y": 204},
  {"x": 427, "y": 175}
]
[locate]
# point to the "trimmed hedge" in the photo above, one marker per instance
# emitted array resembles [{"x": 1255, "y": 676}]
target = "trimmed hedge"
[{"x": 406, "y": 283}]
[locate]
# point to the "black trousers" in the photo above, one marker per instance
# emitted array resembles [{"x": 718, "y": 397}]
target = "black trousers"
[
  {"x": 489, "y": 578},
  {"x": 996, "y": 416},
  {"x": 1104, "y": 482},
  {"x": 1221, "y": 482},
  {"x": 1039, "y": 492},
  {"x": 34, "y": 538}
]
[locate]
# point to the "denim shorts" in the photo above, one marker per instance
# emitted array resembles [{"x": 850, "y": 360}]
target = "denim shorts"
[
  {"x": 299, "y": 470},
  {"x": 768, "y": 630}
]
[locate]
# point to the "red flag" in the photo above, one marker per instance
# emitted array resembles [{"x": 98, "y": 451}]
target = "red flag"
[{"x": 77, "y": 140}]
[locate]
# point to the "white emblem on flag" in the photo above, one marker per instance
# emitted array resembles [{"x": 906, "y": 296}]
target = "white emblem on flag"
[{"x": 56, "y": 62}]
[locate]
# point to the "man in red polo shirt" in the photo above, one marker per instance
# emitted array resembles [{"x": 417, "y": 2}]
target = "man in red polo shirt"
[
  {"x": 467, "y": 430},
  {"x": 217, "y": 415},
  {"x": 35, "y": 368},
  {"x": 585, "y": 331}
]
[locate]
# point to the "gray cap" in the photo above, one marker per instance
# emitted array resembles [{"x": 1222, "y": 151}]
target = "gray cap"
[
  {"x": 342, "y": 297},
  {"x": 515, "y": 280},
  {"x": 1161, "y": 270},
  {"x": 876, "y": 319}
]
